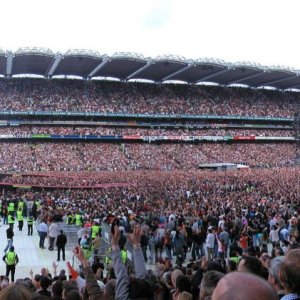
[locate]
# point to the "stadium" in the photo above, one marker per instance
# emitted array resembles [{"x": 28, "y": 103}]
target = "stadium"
[{"x": 181, "y": 148}]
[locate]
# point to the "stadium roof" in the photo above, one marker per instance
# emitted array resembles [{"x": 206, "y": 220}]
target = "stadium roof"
[{"x": 87, "y": 64}]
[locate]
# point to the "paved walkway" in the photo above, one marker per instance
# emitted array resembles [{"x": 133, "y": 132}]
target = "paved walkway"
[{"x": 31, "y": 257}]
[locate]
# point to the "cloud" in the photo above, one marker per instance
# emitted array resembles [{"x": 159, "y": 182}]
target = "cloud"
[{"x": 159, "y": 15}]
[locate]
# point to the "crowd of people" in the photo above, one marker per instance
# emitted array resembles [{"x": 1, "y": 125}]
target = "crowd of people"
[
  {"x": 201, "y": 234},
  {"x": 192, "y": 230},
  {"x": 24, "y": 131},
  {"x": 114, "y": 97},
  {"x": 97, "y": 157}
]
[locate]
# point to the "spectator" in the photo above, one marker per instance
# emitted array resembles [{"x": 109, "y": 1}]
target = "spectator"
[
  {"x": 210, "y": 244},
  {"x": 61, "y": 244},
  {"x": 209, "y": 283},
  {"x": 30, "y": 224},
  {"x": 250, "y": 264},
  {"x": 290, "y": 274},
  {"x": 236, "y": 286},
  {"x": 15, "y": 292},
  {"x": 274, "y": 275},
  {"x": 10, "y": 237},
  {"x": 44, "y": 285},
  {"x": 137, "y": 288},
  {"x": 53, "y": 233},
  {"x": 11, "y": 259},
  {"x": 42, "y": 230}
]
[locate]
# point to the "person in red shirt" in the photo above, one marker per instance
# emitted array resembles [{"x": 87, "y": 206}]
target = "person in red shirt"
[{"x": 244, "y": 241}]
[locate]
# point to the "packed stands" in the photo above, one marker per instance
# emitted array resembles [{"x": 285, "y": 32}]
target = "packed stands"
[
  {"x": 44, "y": 157},
  {"x": 115, "y": 97},
  {"x": 176, "y": 220},
  {"x": 25, "y": 130}
]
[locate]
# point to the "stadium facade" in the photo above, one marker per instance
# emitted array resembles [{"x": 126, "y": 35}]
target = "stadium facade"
[{"x": 86, "y": 64}]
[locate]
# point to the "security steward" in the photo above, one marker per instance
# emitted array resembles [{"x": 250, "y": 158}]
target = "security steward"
[
  {"x": 20, "y": 218},
  {"x": 11, "y": 208},
  {"x": 11, "y": 221},
  {"x": 96, "y": 230},
  {"x": 78, "y": 219},
  {"x": 11, "y": 259},
  {"x": 29, "y": 224}
]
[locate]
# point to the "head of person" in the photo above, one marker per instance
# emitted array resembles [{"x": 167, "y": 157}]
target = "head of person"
[
  {"x": 110, "y": 289},
  {"x": 45, "y": 282},
  {"x": 57, "y": 289},
  {"x": 217, "y": 264},
  {"x": 183, "y": 284},
  {"x": 36, "y": 280},
  {"x": 26, "y": 282},
  {"x": 44, "y": 272},
  {"x": 231, "y": 266},
  {"x": 274, "y": 272},
  {"x": 290, "y": 272},
  {"x": 246, "y": 286},
  {"x": 195, "y": 282},
  {"x": 209, "y": 283},
  {"x": 12, "y": 249},
  {"x": 174, "y": 276},
  {"x": 140, "y": 289},
  {"x": 250, "y": 264},
  {"x": 184, "y": 296},
  {"x": 14, "y": 292},
  {"x": 277, "y": 251},
  {"x": 70, "y": 292}
]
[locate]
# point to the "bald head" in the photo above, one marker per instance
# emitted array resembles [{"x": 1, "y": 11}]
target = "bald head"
[{"x": 237, "y": 285}]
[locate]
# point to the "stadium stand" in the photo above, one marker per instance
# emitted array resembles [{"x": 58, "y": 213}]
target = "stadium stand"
[{"x": 90, "y": 153}]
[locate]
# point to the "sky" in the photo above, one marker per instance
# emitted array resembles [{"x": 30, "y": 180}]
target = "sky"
[{"x": 260, "y": 31}]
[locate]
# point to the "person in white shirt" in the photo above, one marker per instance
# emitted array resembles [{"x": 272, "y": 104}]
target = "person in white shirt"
[
  {"x": 210, "y": 244},
  {"x": 53, "y": 233},
  {"x": 42, "y": 230},
  {"x": 80, "y": 233},
  {"x": 273, "y": 235},
  {"x": 221, "y": 223}
]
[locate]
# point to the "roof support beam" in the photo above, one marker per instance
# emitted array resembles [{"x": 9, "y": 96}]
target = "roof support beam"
[
  {"x": 54, "y": 66},
  {"x": 149, "y": 63},
  {"x": 213, "y": 75},
  {"x": 9, "y": 63},
  {"x": 177, "y": 72},
  {"x": 280, "y": 80},
  {"x": 293, "y": 86},
  {"x": 99, "y": 67},
  {"x": 248, "y": 77}
]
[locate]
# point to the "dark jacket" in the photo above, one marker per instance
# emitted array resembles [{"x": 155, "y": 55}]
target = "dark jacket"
[
  {"x": 9, "y": 233},
  {"x": 61, "y": 240}
]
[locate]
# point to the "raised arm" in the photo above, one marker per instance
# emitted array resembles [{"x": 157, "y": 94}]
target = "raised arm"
[
  {"x": 122, "y": 279},
  {"x": 138, "y": 257},
  {"x": 92, "y": 286}
]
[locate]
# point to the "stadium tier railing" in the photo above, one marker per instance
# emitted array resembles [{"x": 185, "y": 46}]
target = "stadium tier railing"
[{"x": 144, "y": 116}]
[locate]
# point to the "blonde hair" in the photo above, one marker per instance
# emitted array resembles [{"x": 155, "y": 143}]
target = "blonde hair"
[
  {"x": 184, "y": 296},
  {"x": 15, "y": 292}
]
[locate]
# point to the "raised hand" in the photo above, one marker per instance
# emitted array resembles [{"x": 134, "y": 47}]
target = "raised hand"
[
  {"x": 135, "y": 237},
  {"x": 79, "y": 253},
  {"x": 115, "y": 237}
]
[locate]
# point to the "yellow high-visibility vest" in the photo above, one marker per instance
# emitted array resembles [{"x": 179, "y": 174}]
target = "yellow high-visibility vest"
[
  {"x": 95, "y": 230},
  {"x": 10, "y": 219},
  {"x": 20, "y": 215},
  {"x": 10, "y": 258}
]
